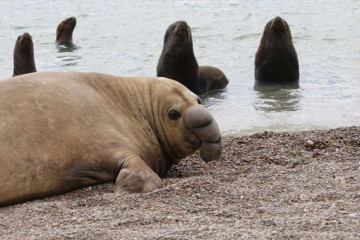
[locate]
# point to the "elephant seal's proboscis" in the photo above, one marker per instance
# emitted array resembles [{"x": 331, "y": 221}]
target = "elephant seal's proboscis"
[{"x": 63, "y": 131}]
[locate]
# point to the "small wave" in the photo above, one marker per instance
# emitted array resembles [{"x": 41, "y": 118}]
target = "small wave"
[
  {"x": 247, "y": 36},
  {"x": 21, "y": 27}
]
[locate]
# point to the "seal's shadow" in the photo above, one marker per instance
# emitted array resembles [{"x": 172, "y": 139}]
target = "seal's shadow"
[
  {"x": 64, "y": 49},
  {"x": 277, "y": 97}
]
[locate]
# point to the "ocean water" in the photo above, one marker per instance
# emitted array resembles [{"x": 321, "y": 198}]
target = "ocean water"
[{"x": 125, "y": 38}]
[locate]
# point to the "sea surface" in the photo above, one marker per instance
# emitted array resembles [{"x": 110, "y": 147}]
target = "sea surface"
[{"x": 125, "y": 38}]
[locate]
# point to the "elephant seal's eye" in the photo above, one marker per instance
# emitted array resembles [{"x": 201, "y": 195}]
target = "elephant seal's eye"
[
  {"x": 199, "y": 100},
  {"x": 174, "y": 115}
]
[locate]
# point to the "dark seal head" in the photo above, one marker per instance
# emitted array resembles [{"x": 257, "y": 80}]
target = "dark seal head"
[
  {"x": 24, "y": 55},
  {"x": 65, "y": 30},
  {"x": 276, "y": 59},
  {"x": 178, "y": 62}
]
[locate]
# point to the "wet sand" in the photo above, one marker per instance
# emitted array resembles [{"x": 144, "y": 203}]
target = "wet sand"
[{"x": 267, "y": 186}]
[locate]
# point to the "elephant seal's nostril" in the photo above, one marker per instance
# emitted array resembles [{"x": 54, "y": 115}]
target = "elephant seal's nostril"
[{"x": 204, "y": 123}]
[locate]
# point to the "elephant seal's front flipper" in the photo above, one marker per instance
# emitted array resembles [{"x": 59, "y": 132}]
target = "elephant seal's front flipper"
[{"x": 136, "y": 176}]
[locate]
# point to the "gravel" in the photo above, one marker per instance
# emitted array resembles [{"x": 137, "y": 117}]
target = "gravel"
[{"x": 267, "y": 185}]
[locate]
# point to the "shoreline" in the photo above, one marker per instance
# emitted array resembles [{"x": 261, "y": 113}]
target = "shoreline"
[
  {"x": 266, "y": 185},
  {"x": 278, "y": 129}
]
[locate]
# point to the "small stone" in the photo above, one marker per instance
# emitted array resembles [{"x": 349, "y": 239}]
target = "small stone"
[
  {"x": 193, "y": 210},
  {"x": 234, "y": 193},
  {"x": 203, "y": 228},
  {"x": 269, "y": 223},
  {"x": 340, "y": 180},
  {"x": 309, "y": 143}
]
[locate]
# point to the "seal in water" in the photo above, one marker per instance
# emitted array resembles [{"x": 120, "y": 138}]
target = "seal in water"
[
  {"x": 65, "y": 30},
  {"x": 24, "y": 61},
  {"x": 178, "y": 62},
  {"x": 276, "y": 59}
]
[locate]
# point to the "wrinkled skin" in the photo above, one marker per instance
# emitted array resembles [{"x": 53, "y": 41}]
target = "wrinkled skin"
[
  {"x": 62, "y": 131},
  {"x": 178, "y": 62},
  {"x": 65, "y": 30},
  {"x": 276, "y": 59},
  {"x": 24, "y": 61}
]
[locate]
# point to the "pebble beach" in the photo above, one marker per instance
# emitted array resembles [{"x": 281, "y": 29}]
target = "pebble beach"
[{"x": 268, "y": 185}]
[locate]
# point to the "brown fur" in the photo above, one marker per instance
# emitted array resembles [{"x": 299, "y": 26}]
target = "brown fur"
[
  {"x": 24, "y": 61},
  {"x": 65, "y": 30},
  {"x": 62, "y": 131},
  {"x": 178, "y": 62},
  {"x": 276, "y": 59}
]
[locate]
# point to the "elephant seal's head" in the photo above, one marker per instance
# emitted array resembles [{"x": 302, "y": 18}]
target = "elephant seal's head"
[{"x": 182, "y": 123}]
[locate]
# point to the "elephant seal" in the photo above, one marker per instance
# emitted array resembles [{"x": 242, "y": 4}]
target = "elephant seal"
[
  {"x": 62, "y": 131},
  {"x": 65, "y": 30},
  {"x": 276, "y": 59},
  {"x": 24, "y": 61},
  {"x": 178, "y": 62}
]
